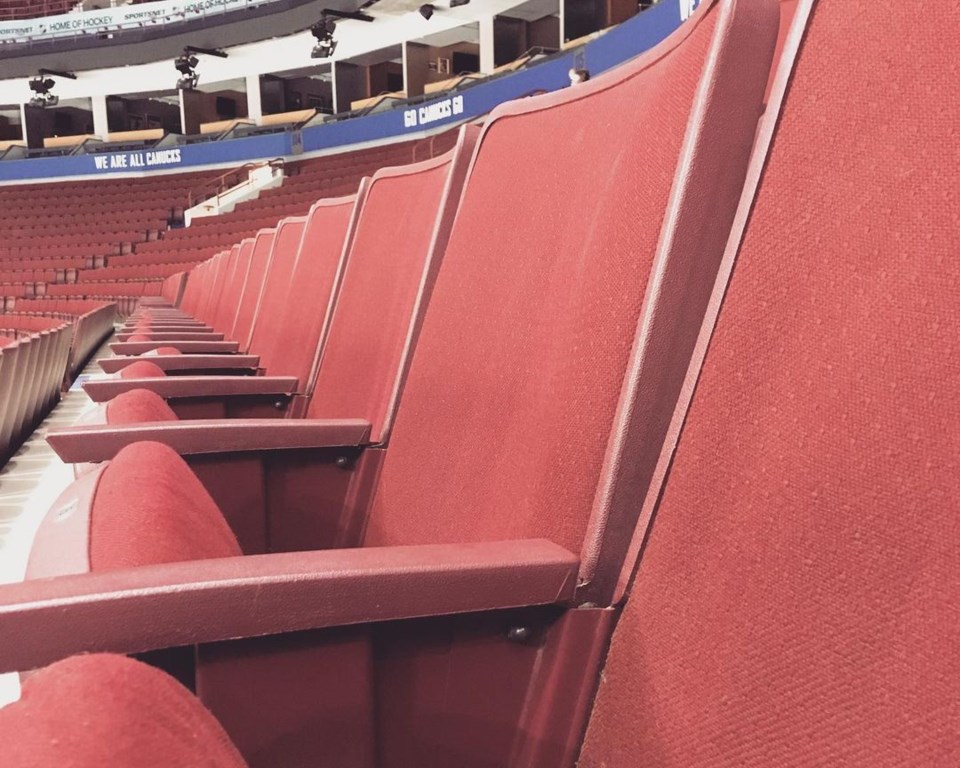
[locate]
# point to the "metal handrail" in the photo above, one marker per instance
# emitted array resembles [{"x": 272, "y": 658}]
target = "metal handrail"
[{"x": 216, "y": 187}]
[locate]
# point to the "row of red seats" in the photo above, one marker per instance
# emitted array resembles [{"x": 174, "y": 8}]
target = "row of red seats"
[
  {"x": 38, "y": 354},
  {"x": 659, "y": 400},
  {"x": 33, "y": 363}
]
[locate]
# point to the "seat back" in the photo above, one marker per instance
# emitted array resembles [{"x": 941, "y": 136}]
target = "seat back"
[
  {"x": 389, "y": 274},
  {"x": 796, "y": 599},
  {"x": 225, "y": 293},
  {"x": 277, "y": 282},
  {"x": 549, "y": 361},
  {"x": 305, "y": 316},
  {"x": 248, "y": 302}
]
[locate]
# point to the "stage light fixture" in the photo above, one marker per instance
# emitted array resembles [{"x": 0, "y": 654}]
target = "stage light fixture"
[
  {"x": 186, "y": 65},
  {"x": 42, "y": 84},
  {"x": 427, "y": 11},
  {"x": 323, "y": 31}
]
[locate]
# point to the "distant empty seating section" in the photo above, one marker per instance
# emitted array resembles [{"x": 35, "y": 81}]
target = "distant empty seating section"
[
  {"x": 118, "y": 239},
  {"x": 329, "y": 176},
  {"x": 621, "y": 432},
  {"x": 59, "y": 230}
]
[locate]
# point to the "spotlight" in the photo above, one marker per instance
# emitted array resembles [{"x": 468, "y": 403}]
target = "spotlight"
[
  {"x": 323, "y": 28},
  {"x": 41, "y": 86},
  {"x": 427, "y": 11},
  {"x": 323, "y": 31},
  {"x": 186, "y": 64}
]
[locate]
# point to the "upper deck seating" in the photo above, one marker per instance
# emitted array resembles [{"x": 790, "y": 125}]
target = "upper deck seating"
[{"x": 544, "y": 377}]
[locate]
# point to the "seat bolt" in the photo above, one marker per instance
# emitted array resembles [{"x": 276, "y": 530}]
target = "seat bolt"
[
  {"x": 279, "y": 405},
  {"x": 342, "y": 462},
  {"x": 518, "y": 634}
]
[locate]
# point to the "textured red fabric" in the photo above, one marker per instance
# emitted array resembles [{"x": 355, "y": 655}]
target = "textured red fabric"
[
  {"x": 138, "y": 406},
  {"x": 371, "y": 321},
  {"x": 277, "y": 286},
  {"x": 150, "y": 508},
  {"x": 105, "y": 710},
  {"x": 506, "y": 413},
  {"x": 162, "y": 351},
  {"x": 292, "y": 349},
  {"x": 249, "y": 300},
  {"x": 798, "y": 600},
  {"x": 142, "y": 369},
  {"x": 139, "y": 337}
]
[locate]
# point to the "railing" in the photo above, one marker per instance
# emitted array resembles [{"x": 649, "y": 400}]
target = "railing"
[{"x": 226, "y": 181}]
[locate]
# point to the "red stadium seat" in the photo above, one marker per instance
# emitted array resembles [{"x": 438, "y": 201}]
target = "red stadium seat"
[
  {"x": 100, "y": 710},
  {"x": 477, "y": 582}
]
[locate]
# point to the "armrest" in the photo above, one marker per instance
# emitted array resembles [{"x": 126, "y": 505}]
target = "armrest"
[
  {"x": 102, "y": 390},
  {"x": 188, "y": 335},
  {"x": 194, "y": 347},
  {"x": 166, "y": 325},
  {"x": 205, "y": 601},
  {"x": 102, "y": 441},
  {"x": 185, "y": 362}
]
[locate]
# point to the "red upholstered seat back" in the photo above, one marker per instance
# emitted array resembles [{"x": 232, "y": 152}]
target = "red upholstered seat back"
[
  {"x": 249, "y": 302},
  {"x": 510, "y": 399},
  {"x": 277, "y": 283},
  {"x": 305, "y": 313},
  {"x": 796, "y": 602},
  {"x": 396, "y": 251},
  {"x": 99, "y": 710},
  {"x": 228, "y": 283},
  {"x": 211, "y": 285}
]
